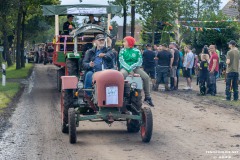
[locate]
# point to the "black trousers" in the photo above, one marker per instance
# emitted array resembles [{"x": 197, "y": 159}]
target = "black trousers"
[
  {"x": 202, "y": 84},
  {"x": 212, "y": 83},
  {"x": 232, "y": 79}
]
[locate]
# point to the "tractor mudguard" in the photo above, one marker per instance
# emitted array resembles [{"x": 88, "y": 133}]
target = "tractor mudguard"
[
  {"x": 74, "y": 55},
  {"x": 69, "y": 82}
]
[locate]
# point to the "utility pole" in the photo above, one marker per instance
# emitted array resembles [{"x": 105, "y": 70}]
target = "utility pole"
[{"x": 133, "y": 17}]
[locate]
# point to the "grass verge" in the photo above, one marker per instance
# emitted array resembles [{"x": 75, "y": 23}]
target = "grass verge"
[
  {"x": 7, "y": 93},
  {"x": 12, "y": 73},
  {"x": 222, "y": 102}
]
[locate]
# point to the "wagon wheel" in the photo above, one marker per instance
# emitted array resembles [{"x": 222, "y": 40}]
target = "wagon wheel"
[
  {"x": 72, "y": 126},
  {"x": 147, "y": 125},
  {"x": 66, "y": 103}
]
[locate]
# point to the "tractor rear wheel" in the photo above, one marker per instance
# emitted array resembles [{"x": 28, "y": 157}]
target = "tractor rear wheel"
[
  {"x": 133, "y": 126},
  {"x": 72, "y": 67},
  {"x": 60, "y": 72},
  {"x": 147, "y": 125},
  {"x": 66, "y": 103},
  {"x": 72, "y": 126}
]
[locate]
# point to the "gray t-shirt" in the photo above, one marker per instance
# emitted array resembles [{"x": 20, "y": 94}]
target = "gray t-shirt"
[{"x": 189, "y": 58}]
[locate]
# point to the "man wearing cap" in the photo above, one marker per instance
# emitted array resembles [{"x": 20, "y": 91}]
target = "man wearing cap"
[
  {"x": 95, "y": 59},
  {"x": 149, "y": 62},
  {"x": 232, "y": 71},
  {"x": 130, "y": 59},
  {"x": 69, "y": 25}
]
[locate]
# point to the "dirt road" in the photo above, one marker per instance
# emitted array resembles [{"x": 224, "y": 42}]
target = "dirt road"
[{"x": 184, "y": 129}]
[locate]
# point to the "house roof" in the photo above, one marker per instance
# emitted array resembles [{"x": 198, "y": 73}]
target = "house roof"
[{"x": 230, "y": 10}]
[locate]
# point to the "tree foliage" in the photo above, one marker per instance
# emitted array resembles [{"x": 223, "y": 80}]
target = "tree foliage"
[
  {"x": 154, "y": 12},
  {"x": 228, "y": 31}
]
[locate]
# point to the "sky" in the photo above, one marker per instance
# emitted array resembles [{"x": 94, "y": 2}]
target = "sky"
[{"x": 104, "y": 2}]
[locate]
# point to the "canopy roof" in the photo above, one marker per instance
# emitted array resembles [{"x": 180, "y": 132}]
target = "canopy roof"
[
  {"x": 81, "y": 9},
  {"x": 89, "y": 29}
]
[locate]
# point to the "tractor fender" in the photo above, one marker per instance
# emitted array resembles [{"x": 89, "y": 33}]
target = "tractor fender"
[
  {"x": 73, "y": 55},
  {"x": 69, "y": 82}
]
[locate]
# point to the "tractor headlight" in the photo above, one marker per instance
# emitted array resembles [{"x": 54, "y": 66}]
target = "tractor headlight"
[
  {"x": 80, "y": 85},
  {"x": 133, "y": 85}
]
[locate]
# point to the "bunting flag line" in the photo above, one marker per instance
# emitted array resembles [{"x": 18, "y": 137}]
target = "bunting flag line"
[
  {"x": 159, "y": 32},
  {"x": 203, "y": 28},
  {"x": 229, "y": 20},
  {"x": 169, "y": 32}
]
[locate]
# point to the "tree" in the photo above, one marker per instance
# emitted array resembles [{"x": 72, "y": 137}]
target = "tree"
[
  {"x": 124, "y": 4},
  {"x": 155, "y": 11},
  {"x": 132, "y": 17},
  {"x": 227, "y": 32},
  {"x": 5, "y": 27},
  {"x": 193, "y": 9}
]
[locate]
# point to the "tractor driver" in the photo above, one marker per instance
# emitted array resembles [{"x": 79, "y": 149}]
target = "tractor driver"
[
  {"x": 69, "y": 25},
  {"x": 92, "y": 20},
  {"x": 95, "y": 58}
]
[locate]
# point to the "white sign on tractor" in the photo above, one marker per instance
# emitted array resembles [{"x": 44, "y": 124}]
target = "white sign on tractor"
[{"x": 87, "y": 11}]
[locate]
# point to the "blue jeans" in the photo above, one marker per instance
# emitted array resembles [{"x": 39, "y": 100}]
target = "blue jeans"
[{"x": 88, "y": 82}]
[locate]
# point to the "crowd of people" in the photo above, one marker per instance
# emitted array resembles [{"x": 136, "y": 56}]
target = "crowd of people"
[{"x": 163, "y": 63}]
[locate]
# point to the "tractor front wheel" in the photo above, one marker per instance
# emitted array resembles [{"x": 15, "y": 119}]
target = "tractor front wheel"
[
  {"x": 72, "y": 126},
  {"x": 133, "y": 126},
  {"x": 147, "y": 125}
]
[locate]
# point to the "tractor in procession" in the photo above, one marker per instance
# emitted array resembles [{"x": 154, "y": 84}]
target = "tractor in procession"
[{"x": 113, "y": 98}]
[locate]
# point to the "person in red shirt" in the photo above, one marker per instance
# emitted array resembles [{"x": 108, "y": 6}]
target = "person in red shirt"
[{"x": 213, "y": 70}]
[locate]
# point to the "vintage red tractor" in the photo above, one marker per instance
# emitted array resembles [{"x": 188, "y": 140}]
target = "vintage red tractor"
[{"x": 113, "y": 99}]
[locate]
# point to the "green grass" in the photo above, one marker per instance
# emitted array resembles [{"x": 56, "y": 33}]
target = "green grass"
[
  {"x": 22, "y": 73},
  {"x": 219, "y": 99},
  {"x": 7, "y": 93}
]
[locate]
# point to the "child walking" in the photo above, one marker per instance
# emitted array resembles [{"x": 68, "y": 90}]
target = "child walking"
[{"x": 203, "y": 73}]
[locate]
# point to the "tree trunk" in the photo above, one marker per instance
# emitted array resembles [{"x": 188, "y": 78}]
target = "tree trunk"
[
  {"x": 18, "y": 46},
  {"x": 198, "y": 9},
  {"x": 5, "y": 41},
  {"x": 153, "y": 25},
  {"x": 23, "y": 39},
  {"x": 124, "y": 18},
  {"x": 132, "y": 18}
]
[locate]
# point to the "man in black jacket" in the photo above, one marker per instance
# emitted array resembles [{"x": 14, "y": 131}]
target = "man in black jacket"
[
  {"x": 97, "y": 59},
  {"x": 69, "y": 25}
]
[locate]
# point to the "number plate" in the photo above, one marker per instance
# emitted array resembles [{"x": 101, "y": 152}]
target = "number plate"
[{"x": 112, "y": 95}]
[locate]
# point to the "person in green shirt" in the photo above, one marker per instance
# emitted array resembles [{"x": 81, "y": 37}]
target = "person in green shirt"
[
  {"x": 232, "y": 71},
  {"x": 130, "y": 59}
]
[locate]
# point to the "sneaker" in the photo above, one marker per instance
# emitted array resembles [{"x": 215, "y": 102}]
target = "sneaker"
[
  {"x": 186, "y": 88},
  {"x": 148, "y": 100}
]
